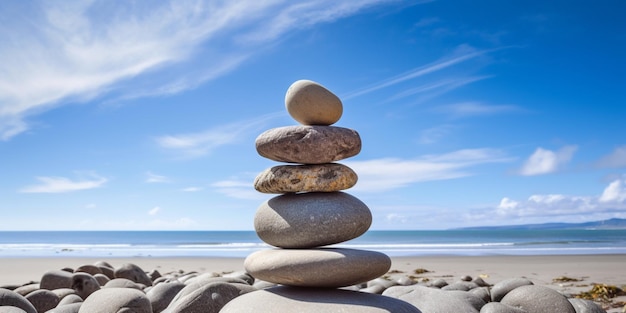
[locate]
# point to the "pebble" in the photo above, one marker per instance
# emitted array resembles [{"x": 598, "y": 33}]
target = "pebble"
[
  {"x": 308, "y": 144},
  {"x": 497, "y": 307},
  {"x": 434, "y": 300},
  {"x": 324, "y": 267},
  {"x": 88, "y": 268},
  {"x": 538, "y": 299},
  {"x": 310, "y": 103},
  {"x": 84, "y": 284},
  {"x": 500, "y": 289},
  {"x": 313, "y": 300},
  {"x": 10, "y": 298},
  {"x": 43, "y": 300},
  {"x": 305, "y": 178},
  {"x": 208, "y": 298},
  {"x": 66, "y": 308},
  {"x": 69, "y": 299},
  {"x": 585, "y": 306},
  {"x": 312, "y": 219},
  {"x": 109, "y": 300},
  {"x": 123, "y": 283},
  {"x": 56, "y": 279},
  {"x": 162, "y": 294},
  {"x": 11, "y": 309},
  {"x": 134, "y": 273}
]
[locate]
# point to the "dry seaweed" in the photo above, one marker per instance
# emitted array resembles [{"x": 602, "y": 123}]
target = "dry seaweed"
[
  {"x": 421, "y": 271},
  {"x": 601, "y": 292},
  {"x": 564, "y": 279}
]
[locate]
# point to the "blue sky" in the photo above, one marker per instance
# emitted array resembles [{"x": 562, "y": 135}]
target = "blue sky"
[{"x": 136, "y": 115}]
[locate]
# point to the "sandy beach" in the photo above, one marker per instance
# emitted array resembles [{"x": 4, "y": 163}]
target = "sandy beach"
[{"x": 542, "y": 270}]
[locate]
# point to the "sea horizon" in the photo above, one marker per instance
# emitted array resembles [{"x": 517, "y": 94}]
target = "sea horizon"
[{"x": 240, "y": 243}]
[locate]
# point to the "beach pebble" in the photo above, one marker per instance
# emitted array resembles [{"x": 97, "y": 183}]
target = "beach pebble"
[
  {"x": 134, "y": 273},
  {"x": 438, "y": 283},
  {"x": 585, "y": 306},
  {"x": 482, "y": 292},
  {"x": 241, "y": 275},
  {"x": 305, "y": 178},
  {"x": 109, "y": 300},
  {"x": 480, "y": 282},
  {"x": 11, "y": 309},
  {"x": 538, "y": 299},
  {"x": 312, "y": 219},
  {"x": 209, "y": 298},
  {"x": 10, "y": 298},
  {"x": 123, "y": 283},
  {"x": 101, "y": 279},
  {"x": 69, "y": 299},
  {"x": 323, "y": 267},
  {"x": 405, "y": 281},
  {"x": 43, "y": 300},
  {"x": 310, "y": 103},
  {"x": 499, "y": 290},
  {"x": 106, "y": 269},
  {"x": 88, "y": 268},
  {"x": 26, "y": 289},
  {"x": 84, "y": 284},
  {"x": 460, "y": 285},
  {"x": 435, "y": 300},
  {"x": 308, "y": 144},
  {"x": 313, "y": 300},
  {"x": 56, "y": 279},
  {"x": 161, "y": 295},
  {"x": 66, "y": 308},
  {"x": 497, "y": 307}
]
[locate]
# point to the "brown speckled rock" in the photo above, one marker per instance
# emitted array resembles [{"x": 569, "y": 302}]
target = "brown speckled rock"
[
  {"x": 324, "y": 267},
  {"x": 312, "y": 219},
  {"x": 305, "y": 178},
  {"x": 308, "y": 144},
  {"x": 310, "y": 103}
]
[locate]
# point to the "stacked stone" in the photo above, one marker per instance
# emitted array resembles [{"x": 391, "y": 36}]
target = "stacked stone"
[{"x": 312, "y": 211}]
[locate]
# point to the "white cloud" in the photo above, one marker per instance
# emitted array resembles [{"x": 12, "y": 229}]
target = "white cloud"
[
  {"x": 434, "y": 134},
  {"x": 617, "y": 158},
  {"x": 203, "y": 143},
  {"x": 391, "y": 173},
  {"x": 544, "y": 161},
  {"x": 238, "y": 189},
  {"x": 191, "y": 189},
  {"x": 466, "y": 109},
  {"x": 614, "y": 192},
  {"x": 154, "y": 178},
  {"x": 58, "y": 52},
  {"x": 63, "y": 184},
  {"x": 154, "y": 211}
]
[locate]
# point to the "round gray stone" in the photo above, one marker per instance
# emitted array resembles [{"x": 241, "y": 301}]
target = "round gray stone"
[
  {"x": 310, "y": 103},
  {"x": 123, "y": 283},
  {"x": 497, "y": 307},
  {"x": 11, "y": 309},
  {"x": 109, "y": 300},
  {"x": 56, "y": 279},
  {"x": 308, "y": 144},
  {"x": 323, "y": 267},
  {"x": 43, "y": 299},
  {"x": 312, "y": 219},
  {"x": 585, "y": 306},
  {"x": 500, "y": 289},
  {"x": 538, "y": 299},
  {"x": 435, "y": 300},
  {"x": 69, "y": 299},
  {"x": 26, "y": 289},
  {"x": 305, "y": 178},
  {"x": 88, "y": 268},
  {"x": 84, "y": 284},
  {"x": 66, "y": 308},
  {"x": 209, "y": 298},
  {"x": 10, "y": 298},
  {"x": 134, "y": 273},
  {"x": 162, "y": 294},
  {"x": 312, "y": 300}
]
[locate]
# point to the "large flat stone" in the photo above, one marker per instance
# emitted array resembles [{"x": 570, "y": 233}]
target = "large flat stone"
[
  {"x": 326, "y": 177},
  {"x": 308, "y": 144},
  {"x": 323, "y": 267},
  {"x": 313, "y": 300},
  {"x": 307, "y": 220}
]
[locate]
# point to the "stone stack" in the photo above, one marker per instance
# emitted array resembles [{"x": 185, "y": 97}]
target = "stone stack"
[{"x": 312, "y": 211}]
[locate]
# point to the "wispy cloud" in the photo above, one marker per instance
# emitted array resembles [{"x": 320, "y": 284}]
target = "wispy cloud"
[
  {"x": 392, "y": 173},
  {"x": 203, "y": 143},
  {"x": 544, "y": 161},
  {"x": 154, "y": 211},
  {"x": 468, "y": 109},
  {"x": 238, "y": 189},
  {"x": 616, "y": 159},
  {"x": 154, "y": 178},
  {"x": 434, "y": 134},
  {"x": 55, "y": 53},
  {"x": 63, "y": 184},
  {"x": 191, "y": 189}
]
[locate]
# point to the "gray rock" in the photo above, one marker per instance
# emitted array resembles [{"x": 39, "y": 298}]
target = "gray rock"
[
  {"x": 102, "y": 279},
  {"x": 405, "y": 281},
  {"x": 108, "y": 300},
  {"x": 89, "y": 269},
  {"x": 43, "y": 300},
  {"x": 106, "y": 270},
  {"x": 84, "y": 284},
  {"x": 308, "y": 144},
  {"x": 538, "y": 299},
  {"x": 460, "y": 285},
  {"x": 497, "y": 307},
  {"x": 161, "y": 295},
  {"x": 56, "y": 279},
  {"x": 209, "y": 298},
  {"x": 26, "y": 289},
  {"x": 310, "y": 103},
  {"x": 154, "y": 275},
  {"x": 66, "y": 308},
  {"x": 10, "y": 298},
  {"x": 322, "y": 267},
  {"x": 69, "y": 299},
  {"x": 134, "y": 273},
  {"x": 500, "y": 289},
  {"x": 312, "y": 219},
  {"x": 241, "y": 275},
  {"x": 313, "y": 300},
  {"x": 123, "y": 283},
  {"x": 480, "y": 282},
  {"x": 11, "y": 309},
  {"x": 482, "y": 292},
  {"x": 305, "y": 178},
  {"x": 434, "y": 300},
  {"x": 585, "y": 306},
  {"x": 438, "y": 283},
  {"x": 64, "y": 292}
]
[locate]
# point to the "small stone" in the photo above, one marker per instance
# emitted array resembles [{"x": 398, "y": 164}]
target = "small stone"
[
  {"x": 585, "y": 306},
  {"x": 84, "y": 284},
  {"x": 460, "y": 285},
  {"x": 66, "y": 308},
  {"x": 108, "y": 300},
  {"x": 305, "y": 178},
  {"x": 310, "y": 103},
  {"x": 134, "y": 273},
  {"x": 123, "y": 283},
  {"x": 538, "y": 299},
  {"x": 88, "y": 268},
  {"x": 500, "y": 289},
  {"x": 497, "y": 307},
  {"x": 161, "y": 295},
  {"x": 26, "y": 289},
  {"x": 307, "y": 220},
  {"x": 102, "y": 279},
  {"x": 482, "y": 292},
  {"x": 436, "y": 300},
  {"x": 208, "y": 298},
  {"x": 308, "y": 144},
  {"x": 313, "y": 300},
  {"x": 69, "y": 299},
  {"x": 10, "y": 298},
  {"x": 43, "y": 300},
  {"x": 322, "y": 267},
  {"x": 56, "y": 279}
]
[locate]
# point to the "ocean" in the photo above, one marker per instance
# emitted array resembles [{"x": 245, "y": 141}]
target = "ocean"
[{"x": 241, "y": 243}]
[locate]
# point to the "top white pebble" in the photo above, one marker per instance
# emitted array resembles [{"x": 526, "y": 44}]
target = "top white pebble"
[{"x": 309, "y": 103}]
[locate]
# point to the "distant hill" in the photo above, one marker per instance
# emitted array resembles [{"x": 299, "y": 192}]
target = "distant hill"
[{"x": 614, "y": 223}]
